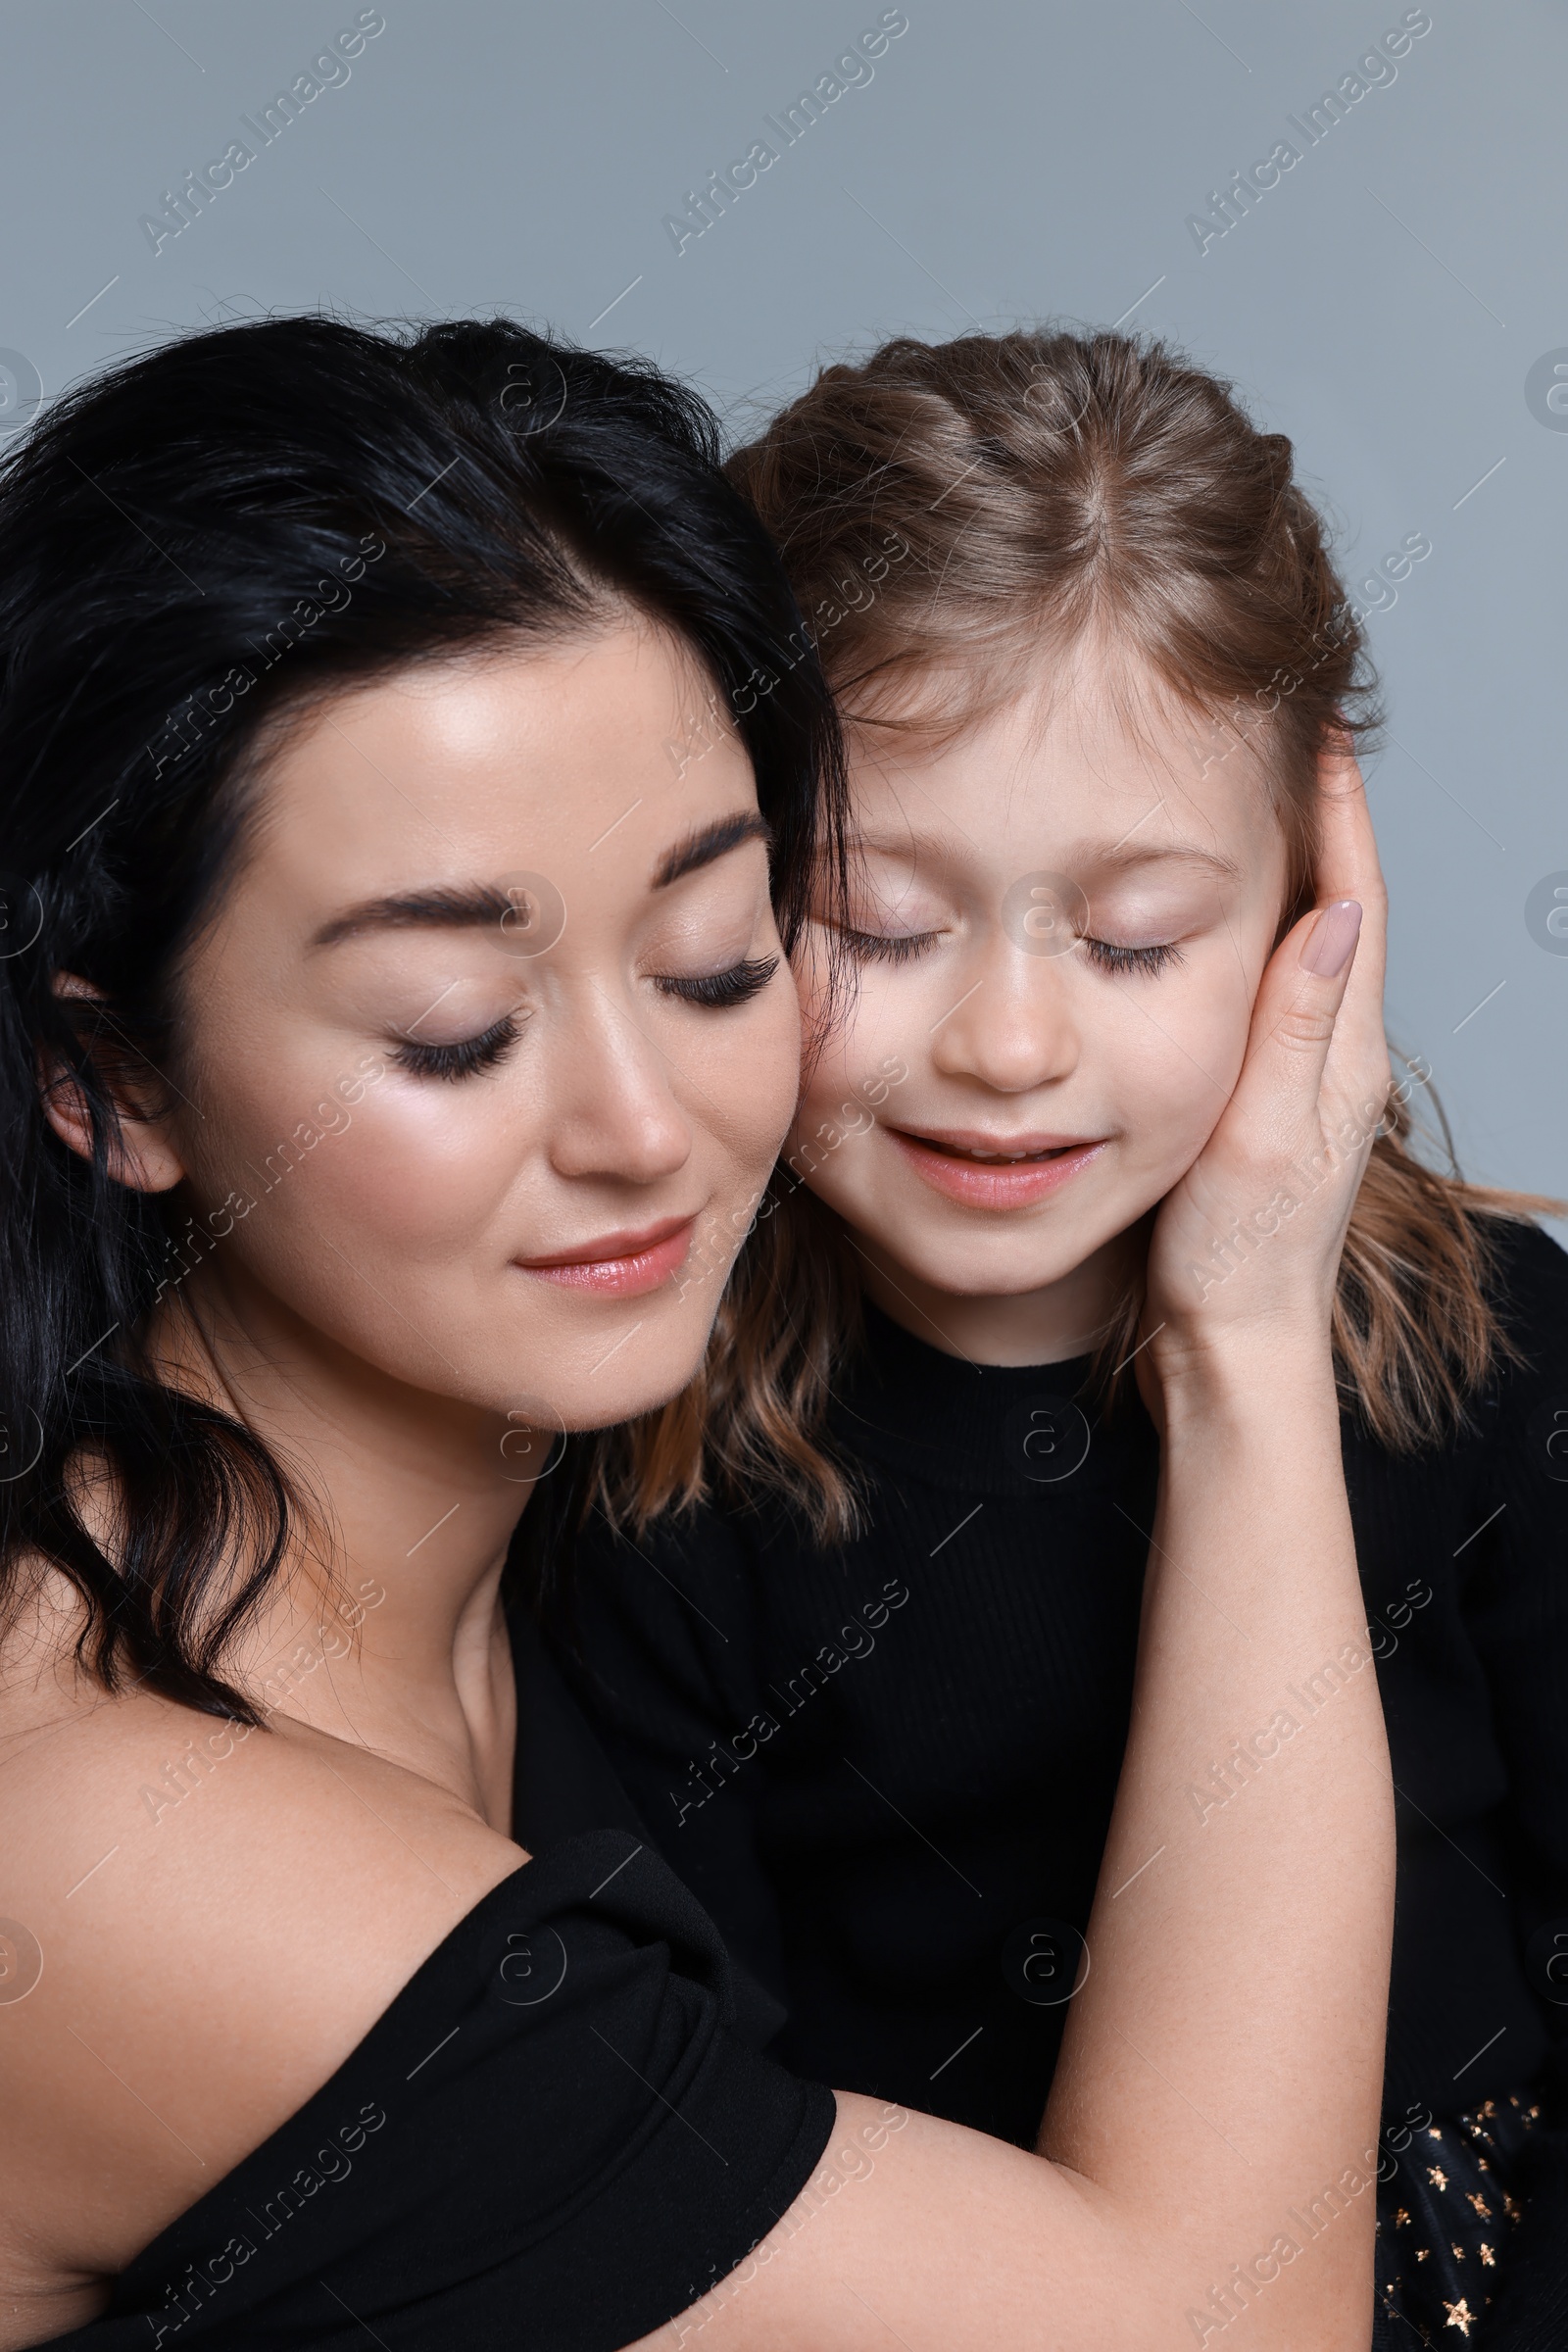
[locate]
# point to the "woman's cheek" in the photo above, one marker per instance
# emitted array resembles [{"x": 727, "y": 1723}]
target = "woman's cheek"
[
  {"x": 413, "y": 1166},
  {"x": 750, "y": 1079},
  {"x": 433, "y": 1158}
]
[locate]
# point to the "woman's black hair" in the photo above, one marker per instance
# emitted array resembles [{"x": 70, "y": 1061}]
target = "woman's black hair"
[{"x": 191, "y": 545}]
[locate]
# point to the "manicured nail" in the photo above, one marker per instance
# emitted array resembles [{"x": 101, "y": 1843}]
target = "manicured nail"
[{"x": 1332, "y": 940}]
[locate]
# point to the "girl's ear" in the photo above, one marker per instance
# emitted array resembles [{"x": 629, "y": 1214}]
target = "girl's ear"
[{"x": 142, "y": 1154}]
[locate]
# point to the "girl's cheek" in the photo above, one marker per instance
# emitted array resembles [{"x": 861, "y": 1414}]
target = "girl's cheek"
[
  {"x": 890, "y": 1012},
  {"x": 1176, "y": 1078}
]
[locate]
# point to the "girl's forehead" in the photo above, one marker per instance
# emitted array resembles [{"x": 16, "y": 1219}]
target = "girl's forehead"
[{"x": 1079, "y": 751}]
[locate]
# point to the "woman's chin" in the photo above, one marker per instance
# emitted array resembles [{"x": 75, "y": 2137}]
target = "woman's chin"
[{"x": 633, "y": 1361}]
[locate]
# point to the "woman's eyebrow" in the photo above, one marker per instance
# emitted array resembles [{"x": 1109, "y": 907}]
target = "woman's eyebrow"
[
  {"x": 483, "y": 905},
  {"x": 708, "y": 842},
  {"x": 444, "y": 909}
]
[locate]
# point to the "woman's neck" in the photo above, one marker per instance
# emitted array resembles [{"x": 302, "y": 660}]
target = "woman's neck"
[
  {"x": 1050, "y": 1325},
  {"x": 385, "y": 1629}
]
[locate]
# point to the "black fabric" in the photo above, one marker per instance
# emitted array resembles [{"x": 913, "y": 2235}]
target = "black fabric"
[
  {"x": 1446, "y": 2215},
  {"x": 552, "y": 2138},
  {"x": 563, "y": 1783},
  {"x": 886, "y": 1769}
]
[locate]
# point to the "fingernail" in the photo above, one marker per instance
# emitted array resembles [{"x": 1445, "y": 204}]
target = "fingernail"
[{"x": 1332, "y": 940}]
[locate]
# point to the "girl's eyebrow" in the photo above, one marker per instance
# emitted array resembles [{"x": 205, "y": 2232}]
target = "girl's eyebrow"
[
  {"x": 1121, "y": 860},
  {"x": 1087, "y": 855}
]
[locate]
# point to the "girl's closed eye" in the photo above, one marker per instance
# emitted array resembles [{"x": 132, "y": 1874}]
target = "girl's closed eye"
[
  {"x": 889, "y": 946},
  {"x": 883, "y": 947},
  {"x": 1109, "y": 957}
]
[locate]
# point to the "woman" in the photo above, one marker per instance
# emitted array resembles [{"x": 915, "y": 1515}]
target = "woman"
[
  {"x": 397, "y": 997},
  {"x": 1091, "y": 639}
]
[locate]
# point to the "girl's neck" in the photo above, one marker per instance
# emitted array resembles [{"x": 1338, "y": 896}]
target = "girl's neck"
[{"x": 1064, "y": 1319}]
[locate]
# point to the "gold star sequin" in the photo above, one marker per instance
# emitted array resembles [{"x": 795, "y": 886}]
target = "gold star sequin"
[
  {"x": 1488, "y": 2107},
  {"x": 1422, "y": 2252},
  {"x": 1510, "y": 2207},
  {"x": 1434, "y": 2132},
  {"x": 1458, "y": 2251},
  {"x": 1401, "y": 2219},
  {"x": 1437, "y": 2175},
  {"x": 1488, "y": 2257},
  {"x": 1461, "y": 2316},
  {"x": 1480, "y": 2203}
]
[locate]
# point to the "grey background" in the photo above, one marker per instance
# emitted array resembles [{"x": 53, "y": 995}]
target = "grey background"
[{"x": 1382, "y": 305}]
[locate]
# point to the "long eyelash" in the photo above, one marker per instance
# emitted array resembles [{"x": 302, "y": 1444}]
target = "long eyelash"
[
  {"x": 877, "y": 946},
  {"x": 1112, "y": 958},
  {"x": 463, "y": 1059},
  {"x": 721, "y": 990}
]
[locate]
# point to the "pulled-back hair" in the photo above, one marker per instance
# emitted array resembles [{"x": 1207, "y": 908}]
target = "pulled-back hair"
[
  {"x": 942, "y": 511},
  {"x": 193, "y": 547}
]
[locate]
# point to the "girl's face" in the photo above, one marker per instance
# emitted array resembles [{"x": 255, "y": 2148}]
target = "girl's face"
[
  {"x": 1060, "y": 924},
  {"x": 490, "y": 1048}
]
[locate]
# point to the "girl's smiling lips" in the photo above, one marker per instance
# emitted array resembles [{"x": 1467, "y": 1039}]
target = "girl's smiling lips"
[
  {"x": 993, "y": 1171},
  {"x": 618, "y": 1265}
]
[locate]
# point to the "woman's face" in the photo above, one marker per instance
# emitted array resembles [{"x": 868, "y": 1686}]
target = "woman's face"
[
  {"x": 1060, "y": 926},
  {"x": 490, "y": 1049}
]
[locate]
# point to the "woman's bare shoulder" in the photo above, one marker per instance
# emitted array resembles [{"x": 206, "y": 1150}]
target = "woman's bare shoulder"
[{"x": 202, "y": 1920}]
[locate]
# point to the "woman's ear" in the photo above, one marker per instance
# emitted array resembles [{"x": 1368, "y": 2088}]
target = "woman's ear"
[{"x": 142, "y": 1154}]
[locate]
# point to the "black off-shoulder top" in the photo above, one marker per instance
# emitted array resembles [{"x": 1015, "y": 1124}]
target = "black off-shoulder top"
[{"x": 554, "y": 2137}]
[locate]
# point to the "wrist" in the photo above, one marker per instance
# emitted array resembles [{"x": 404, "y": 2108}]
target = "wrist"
[{"x": 1246, "y": 1378}]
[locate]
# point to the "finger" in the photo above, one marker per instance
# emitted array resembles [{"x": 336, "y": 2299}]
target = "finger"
[
  {"x": 1347, "y": 865},
  {"x": 1349, "y": 869},
  {"x": 1294, "y": 1020}
]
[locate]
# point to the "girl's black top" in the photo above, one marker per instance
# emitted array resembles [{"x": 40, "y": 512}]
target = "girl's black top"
[
  {"x": 553, "y": 2138},
  {"x": 886, "y": 1768}
]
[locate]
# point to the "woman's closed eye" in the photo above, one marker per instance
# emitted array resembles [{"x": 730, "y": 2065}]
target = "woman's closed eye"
[
  {"x": 737, "y": 984},
  {"x": 466, "y": 1057}
]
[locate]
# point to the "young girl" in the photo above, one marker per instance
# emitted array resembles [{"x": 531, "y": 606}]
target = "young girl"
[
  {"x": 380, "y": 1024},
  {"x": 872, "y": 1705}
]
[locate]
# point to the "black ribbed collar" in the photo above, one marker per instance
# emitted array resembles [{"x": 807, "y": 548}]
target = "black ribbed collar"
[{"x": 982, "y": 1429}]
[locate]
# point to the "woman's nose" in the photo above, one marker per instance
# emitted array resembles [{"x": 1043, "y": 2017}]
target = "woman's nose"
[{"x": 617, "y": 1112}]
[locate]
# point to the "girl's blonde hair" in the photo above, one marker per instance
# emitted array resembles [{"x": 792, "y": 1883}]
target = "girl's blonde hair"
[{"x": 940, "y": 508}]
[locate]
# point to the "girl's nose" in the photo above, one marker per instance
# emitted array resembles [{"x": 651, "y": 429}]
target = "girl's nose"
[{"x": 1013, "y": 1026}]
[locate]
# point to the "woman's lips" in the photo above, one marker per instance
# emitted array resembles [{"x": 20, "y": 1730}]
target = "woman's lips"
[
  {"x": 946, "y": 1163},
  {"x": 618, "y": 1265}
]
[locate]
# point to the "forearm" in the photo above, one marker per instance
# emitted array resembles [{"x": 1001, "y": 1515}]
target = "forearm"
[{"x": 1222, "y": 2062}]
